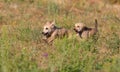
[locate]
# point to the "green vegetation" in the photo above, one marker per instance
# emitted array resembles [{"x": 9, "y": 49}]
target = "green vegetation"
[{"x": 22, "y": 49}]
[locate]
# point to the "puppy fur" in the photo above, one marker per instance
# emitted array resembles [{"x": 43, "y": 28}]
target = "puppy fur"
[
  {"x": 85, "y": 32},
  {"x": 51, "y": 31}
]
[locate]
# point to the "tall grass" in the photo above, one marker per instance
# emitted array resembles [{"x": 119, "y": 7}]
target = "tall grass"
[{"x": 22, "y": 48}]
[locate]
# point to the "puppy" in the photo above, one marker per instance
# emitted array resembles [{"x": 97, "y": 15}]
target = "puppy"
[
  {"x": 85, "y": 32},
  {"x": 50, "y": 31}
]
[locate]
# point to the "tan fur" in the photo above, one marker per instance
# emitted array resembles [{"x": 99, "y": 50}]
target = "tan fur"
[
  {"x": 85, "y": 32},
  {"x": 53, "y": 32}
]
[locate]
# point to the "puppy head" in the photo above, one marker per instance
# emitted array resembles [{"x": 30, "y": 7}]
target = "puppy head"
[
  {"x": 79, "y": 27},
  {"x": 48, "y": 28}
]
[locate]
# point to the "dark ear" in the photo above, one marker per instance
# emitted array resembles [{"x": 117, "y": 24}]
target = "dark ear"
[{"x": 84, "y": 28}]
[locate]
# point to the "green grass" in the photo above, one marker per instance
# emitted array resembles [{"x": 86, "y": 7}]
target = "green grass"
[{"x": 22, "y": 48}]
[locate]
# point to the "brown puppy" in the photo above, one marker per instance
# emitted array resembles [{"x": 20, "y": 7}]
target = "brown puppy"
[
  {"x": 85, "y": 32},
  {"x": 50, "y": 31}
]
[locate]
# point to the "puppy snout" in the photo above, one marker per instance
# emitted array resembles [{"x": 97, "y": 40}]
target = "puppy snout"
[
  {"x": 74, "y": 29},
  {"x": 42, "y": 32}
]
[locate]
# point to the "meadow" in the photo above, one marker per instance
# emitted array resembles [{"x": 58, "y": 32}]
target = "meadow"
[{"x": 22, "y": 48}]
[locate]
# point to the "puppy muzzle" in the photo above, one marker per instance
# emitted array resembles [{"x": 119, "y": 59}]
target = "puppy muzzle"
[
  {"x": 75, "y": 30},
  {"x": 44, "y": 33}
]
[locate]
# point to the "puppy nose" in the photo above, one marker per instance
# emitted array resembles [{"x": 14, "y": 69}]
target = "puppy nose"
[
  {"x": 74, "y": 29},
  {"x": 42, "y": 32}
]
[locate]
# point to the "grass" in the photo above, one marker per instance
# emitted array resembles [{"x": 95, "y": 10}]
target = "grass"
[{"x": 22, "y": 49}]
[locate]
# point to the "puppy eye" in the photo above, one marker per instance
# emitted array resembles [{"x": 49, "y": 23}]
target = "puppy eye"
[
  {"x": 46, "y": 28},
  {"x": 77, "y": 26}
]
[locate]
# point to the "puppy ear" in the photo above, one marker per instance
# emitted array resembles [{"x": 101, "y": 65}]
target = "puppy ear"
[
  {"x": 48, "y": 22},
  {"x": 85, "y": 28},
  {"x": 53, "y": 22}
]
